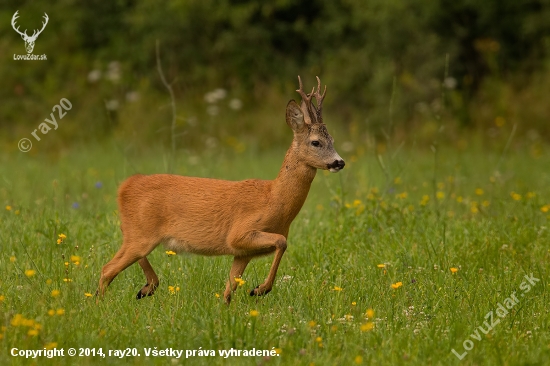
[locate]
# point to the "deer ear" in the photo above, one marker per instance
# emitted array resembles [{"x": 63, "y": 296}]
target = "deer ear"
[{"x": 295, "y": 116}]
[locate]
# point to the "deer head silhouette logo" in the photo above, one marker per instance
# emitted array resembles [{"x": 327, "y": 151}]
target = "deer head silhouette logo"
[{"x": 29, "y": 40}]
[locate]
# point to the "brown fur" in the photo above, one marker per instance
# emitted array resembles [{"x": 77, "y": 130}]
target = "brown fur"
[{"x": 205, "y": 216}]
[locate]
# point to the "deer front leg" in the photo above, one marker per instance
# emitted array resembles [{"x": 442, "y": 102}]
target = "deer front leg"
[
  {"x": 258, "y": 243},
  {"x": 237, "y": 269}
]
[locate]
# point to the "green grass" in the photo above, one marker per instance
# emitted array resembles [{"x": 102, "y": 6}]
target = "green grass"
[{"x": 404, "y": 213}]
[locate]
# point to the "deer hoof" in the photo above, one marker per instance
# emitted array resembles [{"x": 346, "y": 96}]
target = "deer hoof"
[
  {"x": 255, "y": 291},
  {"x": 141, "y": 294}
]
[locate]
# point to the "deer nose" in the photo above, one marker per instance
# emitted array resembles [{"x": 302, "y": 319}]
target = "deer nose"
[{"x": 337, "y": 165}]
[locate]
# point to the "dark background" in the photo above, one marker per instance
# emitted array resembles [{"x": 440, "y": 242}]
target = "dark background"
[{"x": 399, "y": 69}]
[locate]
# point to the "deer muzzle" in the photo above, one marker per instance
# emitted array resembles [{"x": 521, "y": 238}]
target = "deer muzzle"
[{"x": 336, "y": 165}]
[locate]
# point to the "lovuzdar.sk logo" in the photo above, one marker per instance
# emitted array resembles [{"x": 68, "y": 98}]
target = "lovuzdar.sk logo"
[{"x": 29, "y": 40}]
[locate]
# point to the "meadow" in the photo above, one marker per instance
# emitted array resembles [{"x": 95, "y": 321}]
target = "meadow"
[{"x": 398, "y": 259}]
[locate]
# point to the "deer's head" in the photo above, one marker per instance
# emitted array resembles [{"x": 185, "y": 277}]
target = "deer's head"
[
  {"x": 312, "y": 141},
  {"x": 29, "y": 40}
]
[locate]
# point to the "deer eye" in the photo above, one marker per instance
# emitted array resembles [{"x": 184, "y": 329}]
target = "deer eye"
[{"x": 315, "y": 143}]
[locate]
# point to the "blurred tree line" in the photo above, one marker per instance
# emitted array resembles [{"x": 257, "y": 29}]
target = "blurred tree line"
[{"x": 391, "y": 66}]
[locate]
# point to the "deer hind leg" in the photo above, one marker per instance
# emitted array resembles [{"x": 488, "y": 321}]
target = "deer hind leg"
[
  {"x": 258, "y": 243},
  {"x": 152, "y": 279},
  {"x": 237, "y": 269},
  {"x": 127, "y": 255}
]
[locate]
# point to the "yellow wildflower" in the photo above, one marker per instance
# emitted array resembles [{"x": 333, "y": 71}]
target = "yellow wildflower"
[
  {"x": 172, "y": 290},
  {"x": 396, "y": 285},
  {"x": 17, "y": 320},
  {"x": 13, "y": 259},
  {"x": 170, "y": 253},
  {"x": 440, "y": 195},
  {"x": 336, "y": 288},
  {"x": 51, "y": 312},
  {"x": 358, "y": 360},
  {"x": 370, "y": 313},
  {"x": 367, "y": 326},
  {"x": 75, "y": 258},
  {"x": 453, "y": 269},
  {"x": 217, "y": 296},
  {"x": 27, "y": 322},
  {"x": 60, "y": 311},
  {"x": 318, "y": 339},
  {"x": 254, "y": 313},
  {"x": 545, "y": 208},
  {"x": 87, "y": 294},
  {"x": 425, "y": 199},
  {"x": 397, "y": 180},
  {"x": 312, "y": 323},
  {"x": 240, "y": 281},
  {"x": 402, "y": 195},
  {"x": 381, "y": 265},
  {"x": 515, "y": 196},
  {"x": 50, "y": 345},
  {"x": 55, "y": 293},
  {"x": 2, "y": 298},
  {"x": 459, "y": 199},
  {"x": 32, "y": 332},
  {"x": 67, "y": 280},
  {"x": 30, "y": 272},
  {"x": 60, "y": 238},
  {"x": 353, "y": 303},
  {"x": 479, "y": 191}
]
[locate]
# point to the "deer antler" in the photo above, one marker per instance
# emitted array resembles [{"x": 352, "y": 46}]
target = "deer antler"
[
  {"x": 310, "y": 110},
  {"x": 13, "y": 19},
  {"x": 306, "y": 102},
  {"x": 319, "y": 98}
]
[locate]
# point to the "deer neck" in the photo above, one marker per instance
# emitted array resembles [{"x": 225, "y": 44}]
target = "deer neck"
[{"x": 290, "y": 188}]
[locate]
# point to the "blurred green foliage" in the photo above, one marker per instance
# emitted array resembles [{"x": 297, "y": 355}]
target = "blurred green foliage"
[{"x": 393, "y": 68}]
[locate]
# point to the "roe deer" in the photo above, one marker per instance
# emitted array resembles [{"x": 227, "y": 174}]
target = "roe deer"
[{"x": 205, "y": 216}]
